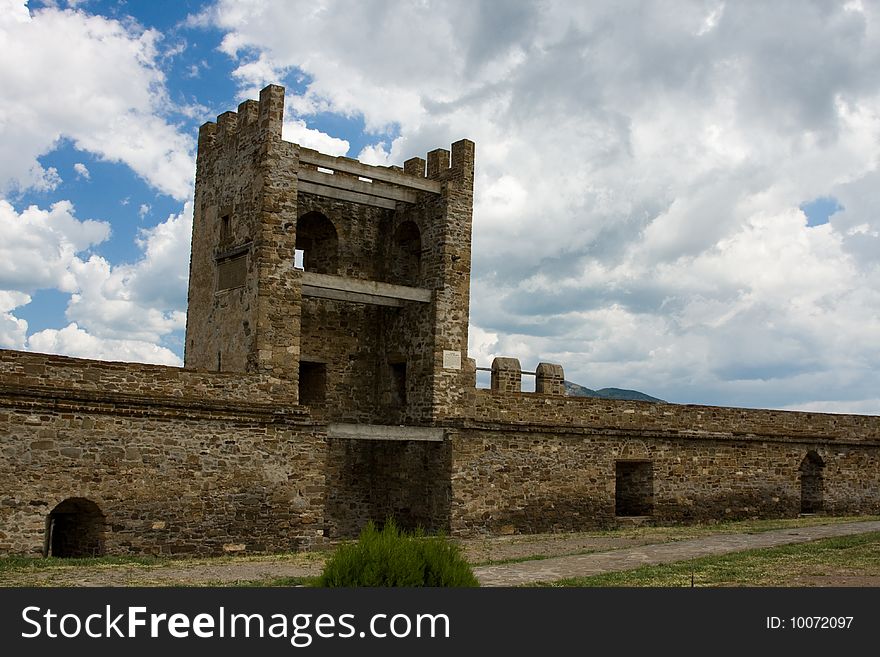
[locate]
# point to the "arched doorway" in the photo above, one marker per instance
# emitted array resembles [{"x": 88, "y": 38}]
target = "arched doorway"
[
  {"x": 75, "y": 528},
  {"x": 317, "y": 240},
  {"x": 811, "y": 482},
  {"x": 406, "y": 263}
]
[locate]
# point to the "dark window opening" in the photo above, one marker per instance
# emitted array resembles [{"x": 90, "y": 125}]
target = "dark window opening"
[
  {"x": 398, "y": 384},
  {"x": 225, "y": 228},
  {"x": 316, "y": 238},
  {"x": 312, "y": 383},
  {"x": 406, "y": 262},
  {"x": 811, "y": 483},
  {"x": 75, "y": 528},
  {"x": 634, "y": 488}
]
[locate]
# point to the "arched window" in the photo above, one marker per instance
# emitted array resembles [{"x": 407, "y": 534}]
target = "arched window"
[
  {"x": 75, "y": 528},
  {"x": 406, "y": 263},
  {"x": 316, "y": 239},
  {"x": 811, "y": 482}
]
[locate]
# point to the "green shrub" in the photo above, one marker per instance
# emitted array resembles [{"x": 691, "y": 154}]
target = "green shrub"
[{"x": 391, "y": 557}]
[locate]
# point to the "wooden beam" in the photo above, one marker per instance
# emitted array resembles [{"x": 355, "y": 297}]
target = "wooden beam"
[
  {"x": 354, "y": 167},
  {"x": 352, "y": 184},
  {"x": 344, "y": 195}
]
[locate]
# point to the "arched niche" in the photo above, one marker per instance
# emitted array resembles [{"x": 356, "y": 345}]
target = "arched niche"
[
  {"x": 75, "y": 528},
  {"x": 812, "y": 483},
  {"x": 316, "y": 238},
  {"x": 406, "y": 256}
]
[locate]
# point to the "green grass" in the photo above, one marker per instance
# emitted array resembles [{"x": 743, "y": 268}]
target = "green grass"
[
  {"x": 274, "y": 582},
  {"x": 785, "y": 565},
  {"x": 754, "y": 526},
  {"x": 18, "y": 564}
]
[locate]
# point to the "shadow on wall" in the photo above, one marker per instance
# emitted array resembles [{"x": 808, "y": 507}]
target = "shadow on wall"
[{"x": 407, "y": 480}]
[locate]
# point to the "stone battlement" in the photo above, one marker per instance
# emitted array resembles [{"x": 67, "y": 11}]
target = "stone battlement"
[
  {"x": 254, "y": 119},
  {"x": 507, "y": 377}
]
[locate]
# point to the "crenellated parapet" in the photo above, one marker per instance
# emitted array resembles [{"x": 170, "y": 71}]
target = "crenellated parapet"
[
  {"x": 439, "y": 165},
  {"x": 507, "y": 377},
  {"x": 549, "y": 379},
  {"x": 254, "y": 119}
]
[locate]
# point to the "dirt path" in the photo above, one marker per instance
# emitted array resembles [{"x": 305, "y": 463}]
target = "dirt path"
[
  {"x": 225, "y": 571},
  {"x": 610, "y": 552},
  {"x": 549, "y": 570}
]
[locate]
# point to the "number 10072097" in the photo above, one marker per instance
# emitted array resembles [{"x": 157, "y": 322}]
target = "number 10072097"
[{"x": 810, "y": 623}]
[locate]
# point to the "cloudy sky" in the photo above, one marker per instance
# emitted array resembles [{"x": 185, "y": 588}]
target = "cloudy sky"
[{"x": 677, "y": 197}]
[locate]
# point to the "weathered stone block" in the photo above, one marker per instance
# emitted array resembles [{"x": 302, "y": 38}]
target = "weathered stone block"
[{"x": 506, "y": 375}]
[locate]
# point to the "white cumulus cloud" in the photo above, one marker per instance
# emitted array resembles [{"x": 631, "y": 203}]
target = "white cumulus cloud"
[
  {"x": 298, "y": 132},
  {"x": 122, "y": 310},
  {"x": 144, "y": 300},
  {"x": 13, "y": 330},
  {"x": 93, "y": 80},
  {"x": 74, "y": 341},
  {"x": 82, "y": 171},
  {"x": 40, "y": 247}
]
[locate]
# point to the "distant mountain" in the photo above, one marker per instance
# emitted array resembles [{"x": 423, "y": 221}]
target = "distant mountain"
[{"x": 575, "y": 390}]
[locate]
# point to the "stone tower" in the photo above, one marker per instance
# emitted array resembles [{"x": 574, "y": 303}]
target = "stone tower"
[{"x": 349, "y": 281}]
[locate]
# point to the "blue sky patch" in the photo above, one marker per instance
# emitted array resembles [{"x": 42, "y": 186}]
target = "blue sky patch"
[{"x": 819, "y": 210}]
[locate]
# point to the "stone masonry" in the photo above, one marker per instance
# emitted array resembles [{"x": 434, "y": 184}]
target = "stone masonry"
[{"x": 326, "y": 383}]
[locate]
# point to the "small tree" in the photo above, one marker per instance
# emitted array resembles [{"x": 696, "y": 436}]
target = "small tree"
[{"x": 391, "y": 557}]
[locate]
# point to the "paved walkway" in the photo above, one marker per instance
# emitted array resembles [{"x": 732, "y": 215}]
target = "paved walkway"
[{"x": 596, "y": 563}]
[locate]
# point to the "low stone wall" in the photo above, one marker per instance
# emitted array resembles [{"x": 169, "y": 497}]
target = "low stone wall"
[
  {"x": 518, "y": 408},
  {"x": 525, "y": 462},
  {"x": 191, "y": 464},
  {"x": 63, "y": 376},
  {"x": 507, "y": 480}
]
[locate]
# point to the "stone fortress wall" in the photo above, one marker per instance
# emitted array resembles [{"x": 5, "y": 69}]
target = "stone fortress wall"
[
  {"x": 161, "y": 459},
  {"x": 327, "y": 383},
  {"x": 532, "y": 462}
]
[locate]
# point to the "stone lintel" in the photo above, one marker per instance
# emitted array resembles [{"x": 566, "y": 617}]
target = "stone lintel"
[
  {"x": 384, "y": 432},
  {"x": 341, "y": 288},
  {"x": 326, "y": 191}
]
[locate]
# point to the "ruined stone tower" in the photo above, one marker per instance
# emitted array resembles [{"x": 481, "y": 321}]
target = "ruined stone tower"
[{"x": 350, "y": 281}]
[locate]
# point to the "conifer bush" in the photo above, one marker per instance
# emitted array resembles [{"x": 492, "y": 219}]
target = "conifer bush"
[{"x": 391, "y": 557}]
